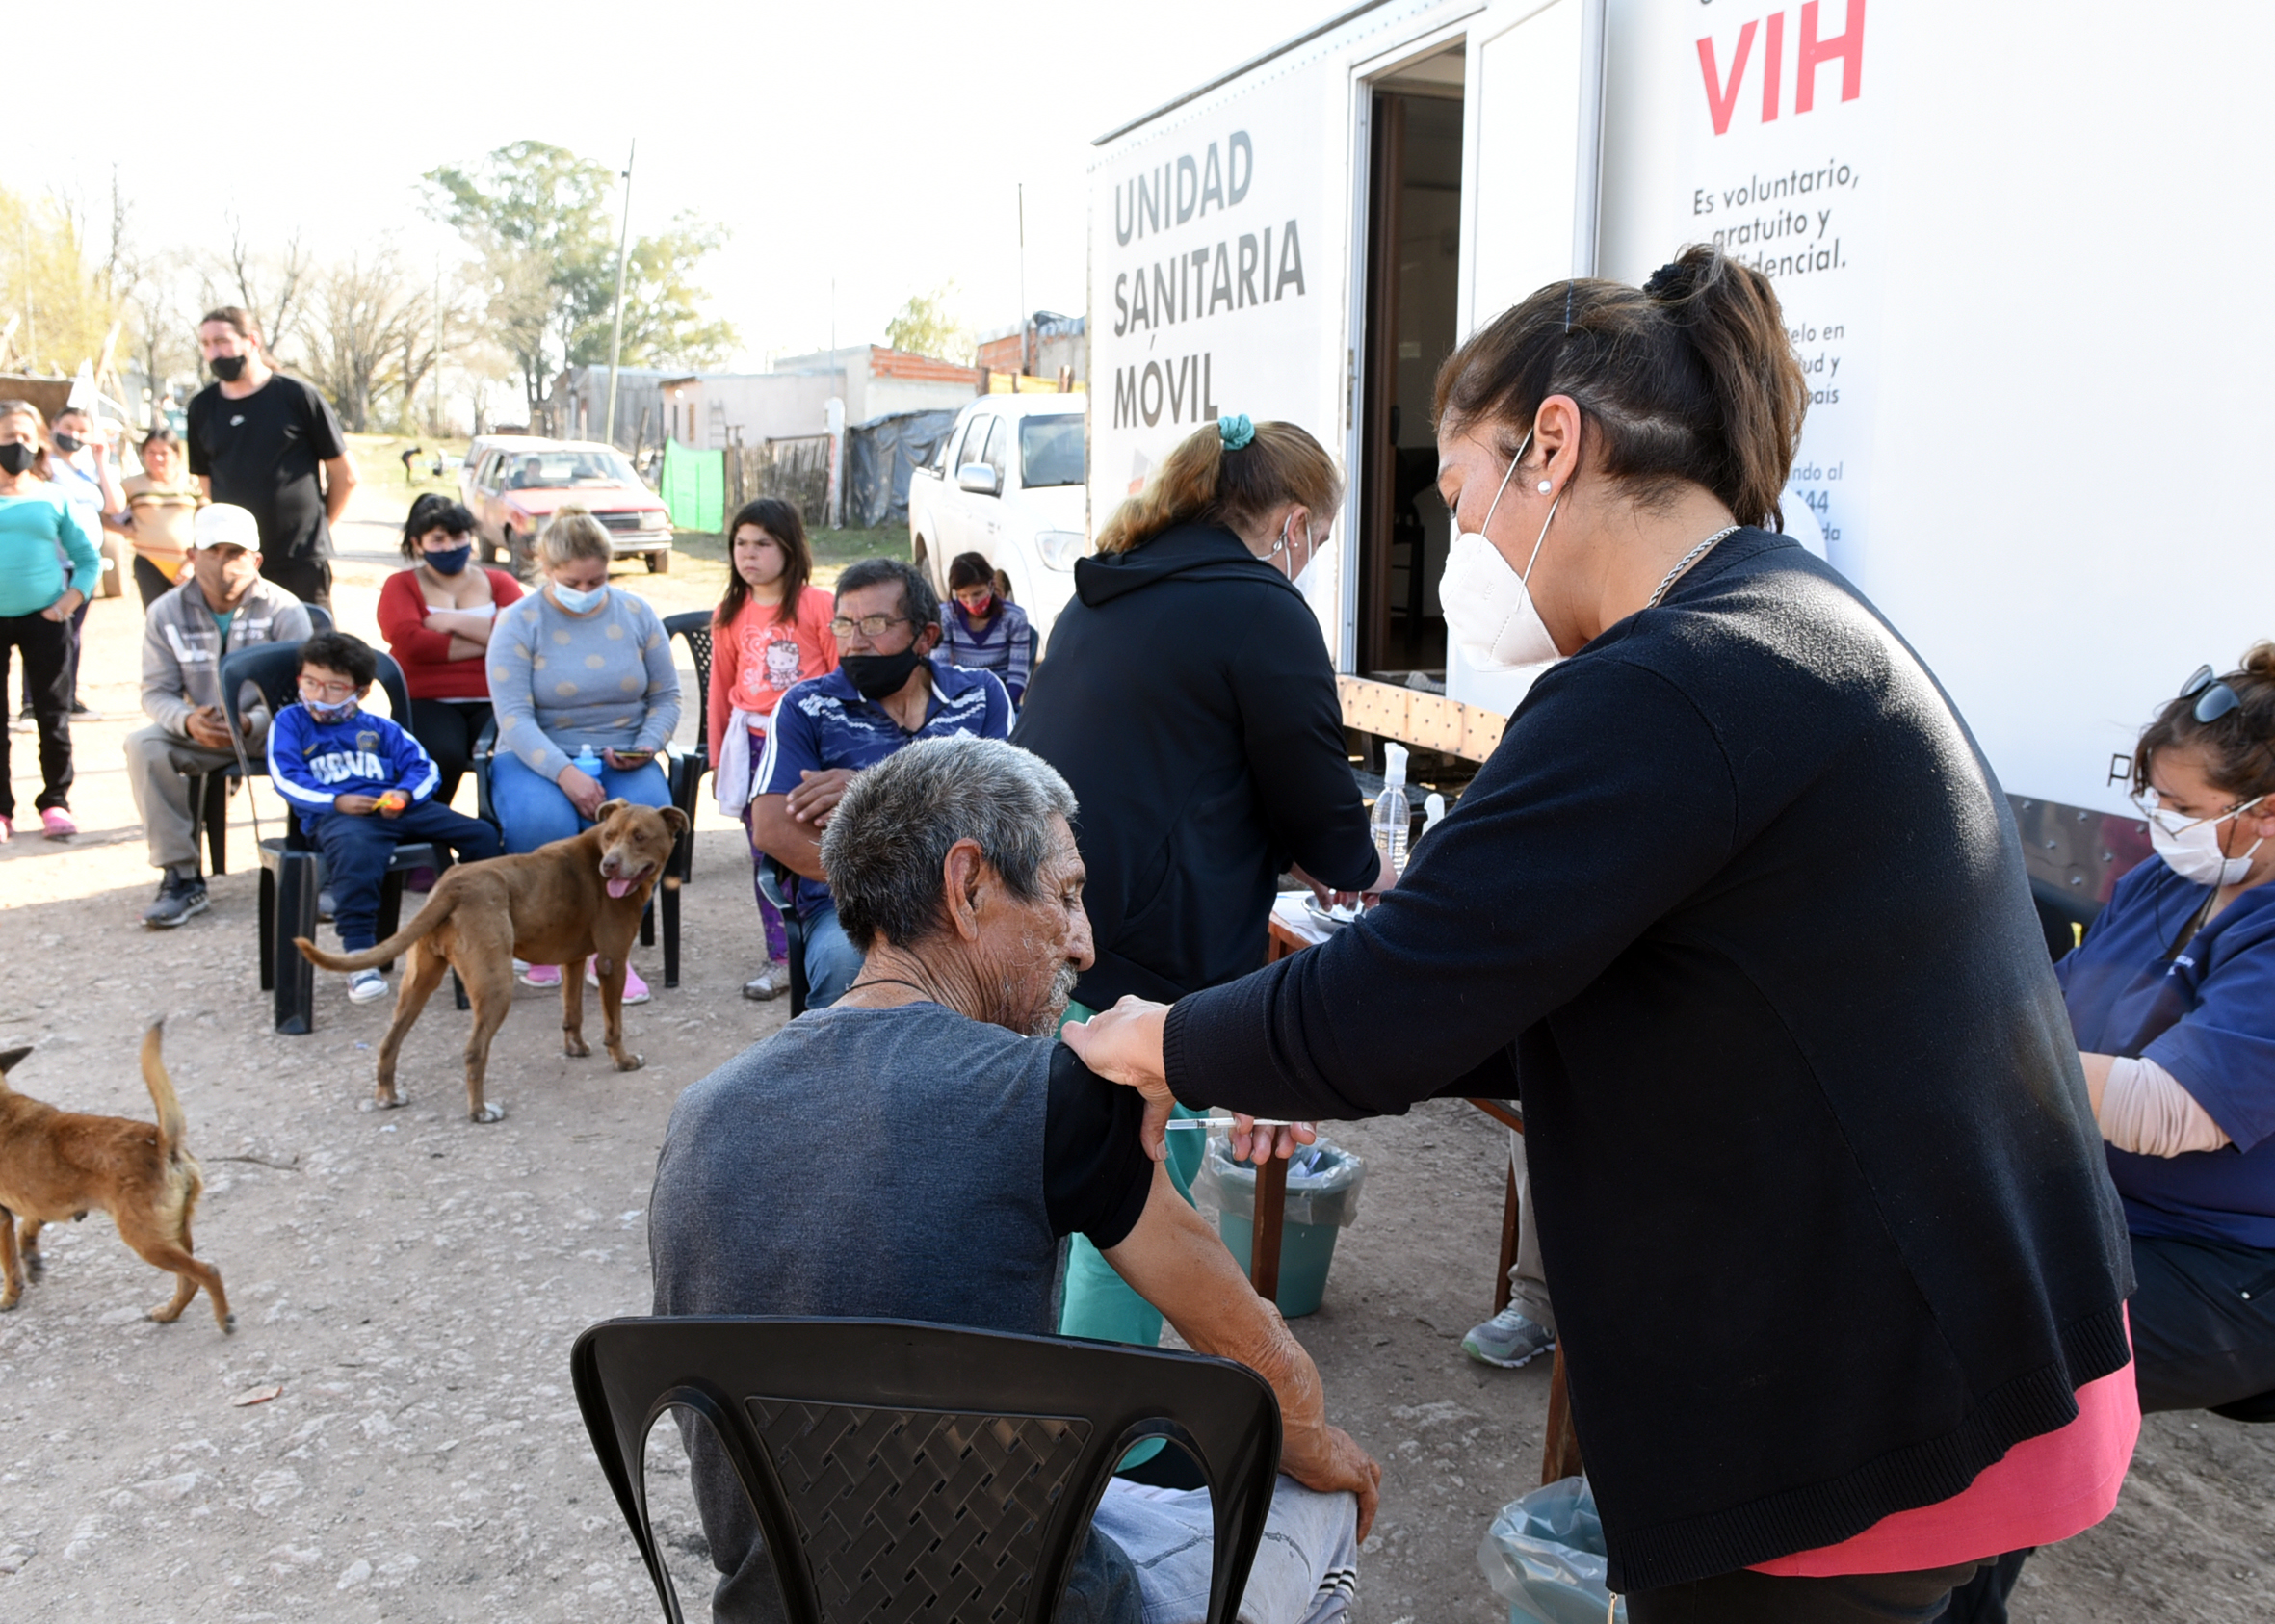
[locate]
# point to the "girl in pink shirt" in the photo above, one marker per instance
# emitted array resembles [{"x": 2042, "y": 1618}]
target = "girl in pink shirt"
[{"x": 770, "y": 632}]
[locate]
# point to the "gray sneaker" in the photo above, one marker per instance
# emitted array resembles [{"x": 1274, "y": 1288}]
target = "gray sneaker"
[
  {"x": 1508, "y": 1340},
  {"x": 768, "y": 983},
  {"x": 179, "y": 896}
]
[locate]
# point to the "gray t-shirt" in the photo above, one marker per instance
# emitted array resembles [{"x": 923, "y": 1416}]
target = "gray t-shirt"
[{"x": 905, "y": 1163}]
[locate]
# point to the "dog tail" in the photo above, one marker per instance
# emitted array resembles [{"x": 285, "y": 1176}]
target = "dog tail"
[
  {"x": 173, "y": 1126},
  {"x": 428, "y": 919}
]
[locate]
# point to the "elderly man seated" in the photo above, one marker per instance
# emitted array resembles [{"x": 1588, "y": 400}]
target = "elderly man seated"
[{"x": 921, "y": 1149}]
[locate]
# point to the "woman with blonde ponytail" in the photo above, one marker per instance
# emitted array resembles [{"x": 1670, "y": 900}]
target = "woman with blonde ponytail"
[{"x": 1188, "y": 700}]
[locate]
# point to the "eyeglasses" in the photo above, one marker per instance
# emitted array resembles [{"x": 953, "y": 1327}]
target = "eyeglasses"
[
  {"x": 869, "y": 625},
  {"x": 2175, "y": 824},
  {"x": 2213, "y": 698},
  {"x": 313, "y": 688}
]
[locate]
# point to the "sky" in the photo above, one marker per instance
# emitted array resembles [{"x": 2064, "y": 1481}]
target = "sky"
[{"x": 879, "y": 146}]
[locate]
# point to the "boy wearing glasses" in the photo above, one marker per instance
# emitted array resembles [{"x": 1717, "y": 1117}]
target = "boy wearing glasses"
[{"x": 361, "y": 786}]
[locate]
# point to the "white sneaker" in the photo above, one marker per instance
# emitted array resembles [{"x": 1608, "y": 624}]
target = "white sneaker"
[
  {"x": 636, "y": 990},
  {"x": 365, "y": 986}
]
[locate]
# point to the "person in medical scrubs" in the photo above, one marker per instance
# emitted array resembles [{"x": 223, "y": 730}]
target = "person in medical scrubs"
[{"x": 2172, "y": 997}]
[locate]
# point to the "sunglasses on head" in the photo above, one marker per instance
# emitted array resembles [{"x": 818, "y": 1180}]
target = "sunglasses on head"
[{"x": 2213, "y": 698}]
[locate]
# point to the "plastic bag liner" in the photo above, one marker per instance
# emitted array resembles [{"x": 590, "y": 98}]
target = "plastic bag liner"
[
  {"x": 1327, "y": 1194},
  {"x": 1544, "y": 1555}
]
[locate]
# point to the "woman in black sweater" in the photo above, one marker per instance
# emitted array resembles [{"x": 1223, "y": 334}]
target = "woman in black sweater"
[
  {"x": 1189, "y": 702},
  {"x": 1738, "y": 908}
]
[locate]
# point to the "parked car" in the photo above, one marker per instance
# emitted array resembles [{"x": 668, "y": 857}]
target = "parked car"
[
  {"x": 1007, "y": 484},
  {"x": 512, "y": 482}
]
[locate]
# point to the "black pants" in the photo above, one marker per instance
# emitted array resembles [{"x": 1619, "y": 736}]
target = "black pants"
[
  {"x": 1746, "y": 1597},
  {"x": 357, "y": 850},
  {"x": 46, "y": 646},
  {"x": 78, "y": 627},
  {"x": 448, "y": 729},
  {"x": 2204, "y": 1326},
  {"x": 304, "y": 575},
  {"x": 150, "y": 581}
]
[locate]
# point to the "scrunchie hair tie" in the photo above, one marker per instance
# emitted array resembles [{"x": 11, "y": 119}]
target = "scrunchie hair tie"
[
  {"x": 1236, "y": 431},
  {"x": 1669, "y": 282}
]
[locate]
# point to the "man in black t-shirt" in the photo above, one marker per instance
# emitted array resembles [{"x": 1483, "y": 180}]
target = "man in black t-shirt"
[{"x": 257, "y": 438}]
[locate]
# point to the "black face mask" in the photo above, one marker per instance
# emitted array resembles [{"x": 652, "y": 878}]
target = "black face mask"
[
  {"x": 68, "y": 443},
  {"x": 880, "y": 676},
  {"x": 227, "y": 368},
  {"x": 17, "y": 457}
]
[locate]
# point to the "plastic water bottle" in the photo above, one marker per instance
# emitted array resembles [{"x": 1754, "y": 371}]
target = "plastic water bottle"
[
  {"x": 1392, "y": 820},
  {"x": 589, "y": 760}
]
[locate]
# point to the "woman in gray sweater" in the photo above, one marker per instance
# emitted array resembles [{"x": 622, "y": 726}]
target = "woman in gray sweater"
[{"x": 586, "y": 696}]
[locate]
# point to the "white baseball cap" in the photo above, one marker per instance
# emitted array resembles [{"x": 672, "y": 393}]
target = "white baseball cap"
[{"x": 224, "y": 524}]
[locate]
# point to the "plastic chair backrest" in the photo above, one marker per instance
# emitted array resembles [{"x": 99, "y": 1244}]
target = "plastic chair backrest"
[
  {"x": 694, "y": 625},
  {"x": 271, "y": 667},
  {"x": 862, "y": 1443},
  {"x": 318, "y": 617}
]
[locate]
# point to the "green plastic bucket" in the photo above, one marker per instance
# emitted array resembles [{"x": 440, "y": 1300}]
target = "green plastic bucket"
[{"x": 1306, "y": 1250}]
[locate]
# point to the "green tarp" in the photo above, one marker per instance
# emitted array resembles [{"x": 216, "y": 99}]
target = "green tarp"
[{"x": 694, "y": 488}]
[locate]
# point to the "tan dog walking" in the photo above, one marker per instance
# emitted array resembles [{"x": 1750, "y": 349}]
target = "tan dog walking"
[
  {"x": 564, "y": 901},
  {"x": 57, "y": 1164}
]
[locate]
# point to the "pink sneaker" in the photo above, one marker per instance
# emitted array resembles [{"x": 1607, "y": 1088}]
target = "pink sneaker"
[
  {"x": 542, "y": 975},
  {"x": 636, "y": 990},
  {"x": 57, "y": 823}
]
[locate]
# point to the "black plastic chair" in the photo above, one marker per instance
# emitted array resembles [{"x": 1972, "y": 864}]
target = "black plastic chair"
[
  {"x": 291, "y": 870},
  {"x": 901, "y": 1471},
  {"x": 693, "y": 626},
  {"x": 772, "y": 876},
  {"x": 209, "y": 797}
]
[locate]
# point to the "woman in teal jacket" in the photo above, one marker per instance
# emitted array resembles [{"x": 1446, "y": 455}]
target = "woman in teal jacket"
[{"x": 42, "y": 548}]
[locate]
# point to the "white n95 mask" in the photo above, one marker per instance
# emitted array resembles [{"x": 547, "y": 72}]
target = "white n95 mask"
[
  {"x": 1488, "y": 606},
  {"x": 2192, "y": 850}
]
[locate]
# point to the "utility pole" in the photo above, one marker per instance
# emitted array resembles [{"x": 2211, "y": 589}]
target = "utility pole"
[
  {"x": 616, "y": 325},
  {"x": 1024, "y": 366},
  {"x": 438, "y": 351}
]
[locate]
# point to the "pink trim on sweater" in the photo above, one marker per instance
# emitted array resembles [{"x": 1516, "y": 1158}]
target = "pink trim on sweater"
[{"x": 2042, "y": 1490}]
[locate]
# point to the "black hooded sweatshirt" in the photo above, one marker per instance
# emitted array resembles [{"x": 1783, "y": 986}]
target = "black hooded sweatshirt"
[{"x": 1188, "y": 699}]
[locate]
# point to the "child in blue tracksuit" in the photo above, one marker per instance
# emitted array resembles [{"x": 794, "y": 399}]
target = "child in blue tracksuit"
[{"x": 361, "y": 786}]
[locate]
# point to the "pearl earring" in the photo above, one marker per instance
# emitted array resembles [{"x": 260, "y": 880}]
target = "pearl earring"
[{"x": 1544, "y": 487}]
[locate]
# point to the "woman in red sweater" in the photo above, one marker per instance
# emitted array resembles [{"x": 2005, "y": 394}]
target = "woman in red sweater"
[
  {"x": 436, "y": 617},
  {"x": 772, "y": 631}
]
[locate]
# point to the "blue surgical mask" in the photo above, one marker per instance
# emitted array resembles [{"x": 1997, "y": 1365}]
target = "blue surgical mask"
[
  {"x": 328, "y": 714},
  {"x": 577, "y": 602},
  {"x": 449, "y": 560}
]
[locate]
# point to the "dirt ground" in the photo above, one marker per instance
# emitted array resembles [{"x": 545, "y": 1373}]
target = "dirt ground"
[{"x": 408, "y": 1285}]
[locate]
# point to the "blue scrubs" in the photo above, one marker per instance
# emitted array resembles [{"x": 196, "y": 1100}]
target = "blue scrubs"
[{"x": 2206, "y": 1016}]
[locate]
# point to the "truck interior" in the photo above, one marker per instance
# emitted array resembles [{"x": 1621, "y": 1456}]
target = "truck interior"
[{"x": 1413, "y": 259}]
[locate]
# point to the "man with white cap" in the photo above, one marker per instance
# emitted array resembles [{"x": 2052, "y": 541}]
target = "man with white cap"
[{"x": 221, "y": 605}]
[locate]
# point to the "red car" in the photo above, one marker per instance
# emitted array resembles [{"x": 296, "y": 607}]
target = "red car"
[{"x": 512, "y": 482}]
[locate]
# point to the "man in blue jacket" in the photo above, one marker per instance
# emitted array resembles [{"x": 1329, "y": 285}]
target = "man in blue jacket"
[{"x": 361, "y": 786}]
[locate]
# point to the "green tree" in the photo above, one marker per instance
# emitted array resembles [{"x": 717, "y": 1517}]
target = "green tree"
[
  {"x": 664, "y": 325},
  {"x": 537, "y": 217},
  {"x": 925, "y": 327},
  {"x": 62, "y": 309}
]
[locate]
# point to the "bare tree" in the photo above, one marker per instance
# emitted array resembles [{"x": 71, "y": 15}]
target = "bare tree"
[{"x": 274, "y": 287}]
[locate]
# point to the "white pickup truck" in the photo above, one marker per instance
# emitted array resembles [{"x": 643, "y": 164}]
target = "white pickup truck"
[{"x": 1007, "y": 484}]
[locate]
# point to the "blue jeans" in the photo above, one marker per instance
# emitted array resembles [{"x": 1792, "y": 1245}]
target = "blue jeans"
[
  {"x": 533, "y": 810},
  {"x": 357, "y": 853},
  {"x": 832, "y": 960}
]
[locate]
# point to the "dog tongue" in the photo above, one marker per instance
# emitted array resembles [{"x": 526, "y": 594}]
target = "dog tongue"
[{"x": 617, "y": 887}]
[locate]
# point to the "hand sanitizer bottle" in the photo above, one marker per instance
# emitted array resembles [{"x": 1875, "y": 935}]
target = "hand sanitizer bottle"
[
  {"x": 1392, "y": 820},
  {"x": 588, "y": 760}
]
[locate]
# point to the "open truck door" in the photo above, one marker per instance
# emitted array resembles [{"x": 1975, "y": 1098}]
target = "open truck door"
[{"x": 1530, "y": 180}]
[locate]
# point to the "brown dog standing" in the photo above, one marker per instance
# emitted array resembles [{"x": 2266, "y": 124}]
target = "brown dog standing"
[
  {"x": 57, "y": 1164},
  {"x": 558, "y": 904}
]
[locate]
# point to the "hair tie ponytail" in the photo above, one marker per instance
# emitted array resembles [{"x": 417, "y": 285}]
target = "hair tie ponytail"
[{"x": 1236, "y": 431}]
